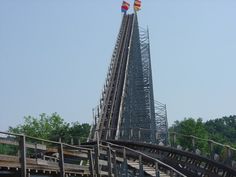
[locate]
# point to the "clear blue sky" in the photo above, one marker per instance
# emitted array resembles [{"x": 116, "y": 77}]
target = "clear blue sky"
[{"x": 54, "y": 56}]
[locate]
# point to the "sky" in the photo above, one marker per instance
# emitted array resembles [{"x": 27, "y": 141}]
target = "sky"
[{"x": 54, "y": 56}]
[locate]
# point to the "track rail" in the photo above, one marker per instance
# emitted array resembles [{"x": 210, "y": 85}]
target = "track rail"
[
  {"x": 111, "y": 100},
  {"x": 50, "y": 158},
  {"x": 190, "y": 164}
]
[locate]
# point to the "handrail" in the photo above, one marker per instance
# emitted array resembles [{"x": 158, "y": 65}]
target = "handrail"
[
  {"x": 145, "y": 155},
  {"x": 44, "y": 140},
  {"x": 183, "y": 135},
  {"x": 203, "y": 139},
  {"x": 112, "y": 129}
]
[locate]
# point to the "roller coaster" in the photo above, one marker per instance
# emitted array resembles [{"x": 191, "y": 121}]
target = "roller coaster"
[{"x": 129, "y": 136}]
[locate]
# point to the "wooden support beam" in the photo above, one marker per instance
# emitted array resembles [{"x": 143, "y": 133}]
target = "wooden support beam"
[
  {"x": 79, "y": 141},
  {"x": 125, "y": 162},
  {"x": 28, "y": 174},
  {"x": 109, "y": 161},
  {"x": 131, "y": 133},
  {"x": 91, "y": 164},
  {"x": 157, "y": 170},
  {"x": 139, "y": 134},
  {"x": 171, "y": 173},
  {"x": 229, "y": 155},
  {"x": 114, "y": 164},
  {"x": 22, "y": 156},
  {"x": 61, "y": 160},
  {"x": 141, "y": 174},
  {"x": 210, "y": 146},
  {"x": 97, "y": 168},
  {"x": 97, "y": 155},
  {"x": 194, "y": 144},
  {"x": 174, "y": 140},
  {"x": 109, "y": 133},
  {"x": 72, "y": 141},
  {"x": 157, "y": 137}
]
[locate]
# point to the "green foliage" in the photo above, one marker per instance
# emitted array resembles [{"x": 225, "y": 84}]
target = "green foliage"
[
  {"x": 193, "y": 127},
  {"x": 190, "y": 127},
  {"x": 8, "y": 149},
  {"x": 52, "y": 127},
  {"x": 221, "y": 130},
  {"x": 75, "y": 130},
  {"x": 80, "y": 130},
  {"x": 41, "y": 127}
]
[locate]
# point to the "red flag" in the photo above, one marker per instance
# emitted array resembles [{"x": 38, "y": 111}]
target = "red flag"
[
  {"x": 125, "y": 6},
  {"x": 137, "y": 5}
]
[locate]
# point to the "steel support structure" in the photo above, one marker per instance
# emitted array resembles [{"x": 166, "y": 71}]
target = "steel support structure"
[
  {"x": 148, "y": 84},
  {"x": 134, "y": 114},
  {"x": 126, "y": 109},
  {"x": 161, "y": 123}
]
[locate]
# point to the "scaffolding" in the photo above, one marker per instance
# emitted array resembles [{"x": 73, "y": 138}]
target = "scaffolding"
[{"x": 127, "y": 109}]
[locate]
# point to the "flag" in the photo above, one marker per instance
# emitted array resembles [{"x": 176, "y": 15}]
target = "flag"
[
  {"x": 125, "y": 6},
  {"x": 137, "y": 5}
]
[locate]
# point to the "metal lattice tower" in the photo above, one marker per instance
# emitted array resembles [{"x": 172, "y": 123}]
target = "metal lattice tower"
[{"x": 127, "y": 107}]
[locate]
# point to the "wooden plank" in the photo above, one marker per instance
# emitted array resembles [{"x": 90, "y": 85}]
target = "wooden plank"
[
  {"x": 42, "y": 162},
  {"x": 75, "y": 167},
  {"x": 109, "y": 161},
  {"x": 9, "y": 158},
  {"x": 97, "y": 161},
  {"x": 28, "y": 145},
  {"x": 12, "y": 162},
  {"x": 61, "y": 160},
  {"x": 23, "y": 156},
  {"x": 149, "y": 170},
  {"x": 81, "y": 153},
  {"x": 91, "y": 164},
  {"x": 114, "y": 163},
  {"x": 9, "y": 142},
  {"x": 37, "y": 146}
]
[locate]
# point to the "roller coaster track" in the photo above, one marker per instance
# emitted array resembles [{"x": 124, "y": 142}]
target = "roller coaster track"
[
  {"x": 115, "y": 81},
  {"x": 26, "y": 156},
  {"x": 188, "y": 163},
  {"x": 127, "y": 98}
]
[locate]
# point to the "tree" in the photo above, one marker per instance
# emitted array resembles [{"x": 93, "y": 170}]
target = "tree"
[
  {"x": 222, "y": 130},
  {"x": 80, "y": 130},
  {"x": 190, "y": 126},
  {"x": 75, "y": 130},
  {"x": 51, "y": 127},
  {"x": 41, "y": 127}
]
